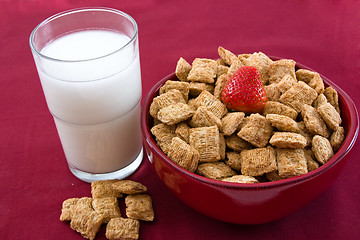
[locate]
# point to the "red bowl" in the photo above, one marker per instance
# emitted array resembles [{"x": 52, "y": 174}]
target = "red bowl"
[{"x": 249, "y": 203}]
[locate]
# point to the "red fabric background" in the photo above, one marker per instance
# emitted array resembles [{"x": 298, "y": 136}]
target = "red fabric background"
[{"x": 34, "y": 178}]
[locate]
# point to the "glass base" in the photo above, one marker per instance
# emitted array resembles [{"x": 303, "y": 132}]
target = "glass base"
[{"x": 120, "y": 174}]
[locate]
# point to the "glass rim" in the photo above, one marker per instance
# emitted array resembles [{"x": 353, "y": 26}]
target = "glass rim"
[{"x": 77, "y": 10}]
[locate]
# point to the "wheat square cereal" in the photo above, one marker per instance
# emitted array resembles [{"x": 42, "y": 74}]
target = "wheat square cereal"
[
  {"x": 236, "y": 65},
  {"x": 107, "y": 207},
  {"x": 329, "y": 114},
  {"x": 261, "y": 62},
  {"x": 183, "y": 131},
  {"x": 240, "y": 179},
  {"x": 317, "y": 83},
  {"x": 280, "y": 68},
  {"x": 122, "y": 228},
  {"x": 100, "y": 189},
  {"x": 304, "y": 75},
  {"x": 321, "y": 99},
  {"x": 139, "y": 207},
  {"x": 215, "y": 170},
  {"x": 298, "y": 95},
  {"x": 273, "y": 176},
  {"x": 175, "y": 113},
  {"x": 196, "y": 88},
  {"x": 272, "y": 107},
  {"x": 221, "y": 70},
  {"x": 226, "y": 55},
  {"x": 233, "y": 160},
  {"x": 337, "y": 138},
  {"x": 311, "y": 163},
  {"x": 67, "y": 208},
  {"x": 183, "y": 87},
  {"x": 222, "y": 146},
  {"x": 183, "y": 154},
  {"x": 220, "y": 84},
  {"x": 305, "y": 132},
  {"x": 236, "y": 143},
  {"x": 322, "y": 149},
  {"x": 182, "y": 69},
  {"x": 286, "y": 83},
  {"x": 313, "y": 121},
  {"x": 170, "y": 97},
  {"x": 257, "y": 131},
  {"x": 204, "y": 118},
  {"x": 245, "y": 56},
  {"x": 206, "y": 140},
  {"x": 203, "y": 70},
  {"x": 332, "y": 97},
  {"x": 272, "y": 92},
  {"x": 291, "y": 162},
  {"x": 258, "y": 161},
  {"x": 129, "y": 187},
  {"x": 213, "y": 104},
  {"x": 283, "y": 123},
  {"x": 288, "y": 140},
  {"x": 231, "y": 122},
  {"x": 163, "y": 134}
]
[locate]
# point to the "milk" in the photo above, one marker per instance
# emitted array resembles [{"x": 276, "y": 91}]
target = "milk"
[{"x": 94, "y": 94}]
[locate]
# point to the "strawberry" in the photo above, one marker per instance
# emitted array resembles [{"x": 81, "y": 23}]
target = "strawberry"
[{"x": 244, "y": 91}]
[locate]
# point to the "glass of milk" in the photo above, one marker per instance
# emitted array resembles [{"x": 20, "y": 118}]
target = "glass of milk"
[{"x": 88, "y": 63}]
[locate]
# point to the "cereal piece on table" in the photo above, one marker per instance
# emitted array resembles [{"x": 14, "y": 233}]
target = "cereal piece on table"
[
  {"x": 304, "y": 75},
  {"x": 204, "y": 118},
  {"x": 231, "y": 121},
  {"x": 129, "y": 187},
  {"x": 280, "y": 68},
  {"x": 257, "y": 131},
  {"x": 222, "y": 146},
  {"x": 291, "y": 162},
  {"x": 286, "y": 83},
  {"x": 329, "y": 114},
  {"x": 272, "y": 92},
  {"x": 317, "y": 83},
  {"x": 337, "y": 138},
  {"x": 258, "y": 161},
  {"x": 305, "y": 132},
  {"x": 283, "y": 123},
  {"x": 298, "y": 95},
  {"x": 67, "y": 208},
  {"x": 240, "y": 179},
  {"x": 313, "y": 121},
  {"x": 215, "y": 170},
  {"x": 261, "y": 62},
  {"x": 221, "y": 69},
  {"x": 322, "y": 149},
  {"x": 163, "y": 134},
  {"x": 273, "y": 176},
  {"x": 228, "y": 57},
  {"x": 183, "y": 87},
  {"x": 321, "y": 99},
  {"x": 203, "y": 70},
  {"x": 236, "y": 143},
  {"x": 139, "y": 207},
  {"x": 272, "y": 107},
  {"x": 164, "y": 100},
  {"x": 100, "y": 189},
  {"x": 183, "y": 131},
  {"x": 213, "y": 104},
  {"x": 84, "y": 219},
  {"x": 220, "y": 84},
  {"x": 233, "y": 160},
  {"x": 332, "y": 97},
  {"x": 107, "y": 207},
  {"x": 311, "y": 163},
  {"x": 182, "y": 69},
  {"x": 288, "y": 140},
  {"x": 183, "y": 154},
  {"x": 122, "y": 228},
  {"x": 206, "y": 141},
  {"x": 196, "y": 88},
  {"x": 175, "y": 113}
]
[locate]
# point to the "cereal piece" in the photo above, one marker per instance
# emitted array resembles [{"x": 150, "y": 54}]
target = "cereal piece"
[
  {"x": 236, "y": 143},
  {"x": 196, "y": 88},
  {"x": 272, "y": 92},
  {"x": 175, "y": 113},
  {"x": 317, "y": 83},
  {"x": 305, "y": 132},
  {"x": 203, "y": 70},
  {"x": 122, "y": 228},
  {"x": 236, "y": 65},
  {"x": 245, "y": 56},
  {"x": 221, "y": 69},
  {"x": 288, "y": 140},
  {"x": 183, "y": 154},
  {"x": 129, "y": 187},
  {"x": 182, "y": 69},
  {"x": 222, "y": 146},
  {"x": 213, "y": 104},
  {"x": 291, "y": 162},
  {"x": 183, "y": 87},
  {"x": 206, "y": 141},
  {"x": 286, "y": 83},
  {"x": 329, "y": 114},
  {"x": 220, "y": 84},
  {"x": 258, "y": 161},
  {"x": 280, "y": 68},
  {"x": 313, "y": 121},
  {"x": 183, "y": 131},
  {"x": 230, "y": 122},
  {"x": 164, "y": 100},
  {"x": 279, "y": 108},
  {"x": 298, "y": 95},
  {"x": 304, "y": 75},
  {"x": 257, "y": 131},
  {"x": 204, "y": 118},
  {"x": 273, "y": 176},
  {"x": 233, "y": 160},
  {"x": 100, "y": 189},
  {"x": 67, "y": 208},
  {"x": 283, "y": 123},
  {"x": 163, "y": 134},
  {"x": 228, "y": 57},
  {"x": 84, "y": 219},
  {"x": 221, "y": 62},
  {"x": 311, "y": 163},
  {"x": 337, "y": 138},
  {"x": 139, "y": 207},
  {"x": 322, "y": 149},
  {"x": 261, "y": 62},
  {"x": 215, "y": 170},
  {"x": 107, "y": 207},
  {"x": 332, "y": 97},
  {"x": 321, "y": 99},
  {"x": 240, "y": 179}
]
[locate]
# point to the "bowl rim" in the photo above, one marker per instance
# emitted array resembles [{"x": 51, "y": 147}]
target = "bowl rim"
[{"x": 350, "y": 139}]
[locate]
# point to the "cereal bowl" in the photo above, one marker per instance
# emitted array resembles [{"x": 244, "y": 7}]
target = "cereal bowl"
[{"x": 244, "y": 203}]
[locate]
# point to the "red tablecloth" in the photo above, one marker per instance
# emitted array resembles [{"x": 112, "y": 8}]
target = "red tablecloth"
[{"x": 34, "y": 178}]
